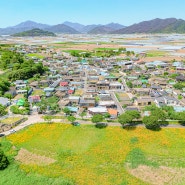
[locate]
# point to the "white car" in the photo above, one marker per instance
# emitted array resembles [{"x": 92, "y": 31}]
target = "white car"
[{"x": 12, "y": 131}]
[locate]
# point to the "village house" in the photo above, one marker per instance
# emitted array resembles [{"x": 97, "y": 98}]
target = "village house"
[
  {"x": 141, "y": 91},
  {"x": 91, "y": 90},
  {"x": 34, "y": 99},
  {"x": 86, "y": 103},
  {"x": 115, "y": 86},
  {"x": 143, "y": 101},
  {"x": 97, "y": 110},
  {"x": 113, "y": 113},
  {"x": 74, "y": 99},
  {"x": 4, "y": 101},
  {"x": 103, "y": 85},
  {"x": 107, "y": 104},
  {"x": 166, "y": 100},
  {"x": 64, "y": 83}
]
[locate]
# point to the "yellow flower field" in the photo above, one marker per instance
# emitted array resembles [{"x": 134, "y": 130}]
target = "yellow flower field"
[{"x": 87, "y": 155}]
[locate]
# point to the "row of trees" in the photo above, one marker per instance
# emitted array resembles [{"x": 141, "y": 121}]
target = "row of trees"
[{"x": 155, "y": 118}]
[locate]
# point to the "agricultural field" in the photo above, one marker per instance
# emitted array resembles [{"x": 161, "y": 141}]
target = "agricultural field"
[
  {"x": 156, "y": 54},
  {"x": 123, "y": 98},
  {"x": 11, "y": 120},
  {"x": 63, "y": 154},
  {"x": 36, "y": 55}
]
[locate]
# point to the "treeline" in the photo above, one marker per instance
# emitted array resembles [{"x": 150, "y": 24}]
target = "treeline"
[{"x": 155, "y": 118}]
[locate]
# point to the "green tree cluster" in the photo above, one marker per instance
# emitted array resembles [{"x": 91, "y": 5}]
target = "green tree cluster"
[
  {"x": 20, "y": 68},
  {"x": 97, "y": 118},
  {"x": 51, "y": 103},
  {"x": 128, "y": 117},
  {"x": 156, "y": 115}
]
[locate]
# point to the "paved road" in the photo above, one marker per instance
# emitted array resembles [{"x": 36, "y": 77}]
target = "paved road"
[{"x": 33, "y": 119}]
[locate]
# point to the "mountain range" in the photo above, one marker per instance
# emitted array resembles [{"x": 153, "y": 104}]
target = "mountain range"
[
  {"x": 169, "y": 25},
  {"x": 66, "y": 28}
]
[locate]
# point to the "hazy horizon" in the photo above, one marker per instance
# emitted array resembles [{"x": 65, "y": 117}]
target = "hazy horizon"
[{"x": 125, "y": 12}]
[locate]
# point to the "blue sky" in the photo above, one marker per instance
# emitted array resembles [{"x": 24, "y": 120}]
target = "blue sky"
[{"x": 53, "y": 12}]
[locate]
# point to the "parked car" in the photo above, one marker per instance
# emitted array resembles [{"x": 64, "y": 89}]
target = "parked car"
[
  {"x": 76, "y": 123},
  {"x": 12, "y": 131}
]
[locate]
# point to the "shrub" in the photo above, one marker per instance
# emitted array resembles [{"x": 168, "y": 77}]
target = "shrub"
[{"x": 3, "y": 160}]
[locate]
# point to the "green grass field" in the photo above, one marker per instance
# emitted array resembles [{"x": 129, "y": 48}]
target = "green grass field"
[
  {"x": 156, "y": 53},
  {"x": 88, "y": 155},
  {"x": 35, "y": 55}
]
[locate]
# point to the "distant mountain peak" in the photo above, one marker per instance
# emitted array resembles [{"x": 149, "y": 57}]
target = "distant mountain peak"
[
  {"x": 62, "y": 28},
  {"x": 76, "y": 26},
  {"x": 169, "y": 25},
  {"x": 30, "y": 24}
]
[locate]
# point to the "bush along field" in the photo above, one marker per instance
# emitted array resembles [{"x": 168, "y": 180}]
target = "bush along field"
[{"x": 60, "y": 154}]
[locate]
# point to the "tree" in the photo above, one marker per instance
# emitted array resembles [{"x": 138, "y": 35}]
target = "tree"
[
  {"x": 66, "y": 111},
  {"x": 8, "y": 95},
  {"x": 71, "y": 118},
  {"x": 157, "y": 112},
  {"x": 128, "y": 117},
  {"x": 151, "y": 122},
  {"x": 3, "y": 160},
  {"x": 2, "y": 110},
  {"x": 83, "y": 114},
  {"x": 134, "y": 114},
  {"x": 125, "y": 119},
  {"x": 181, "y": 116},
  {"x": 170, "y": 112},
  {"x": 129, "y": 84},
  {"x": 97, "y": 118},
  {"x": 107, "y": 115},
  {"x": 178, "y": 86}
]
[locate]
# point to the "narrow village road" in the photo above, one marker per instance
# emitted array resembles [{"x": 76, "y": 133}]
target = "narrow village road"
[{"x": 119, "y": 107}]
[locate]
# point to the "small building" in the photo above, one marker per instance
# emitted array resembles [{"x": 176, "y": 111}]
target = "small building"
[
  {"x": 107, "y": 104},
  {"x": 97, "y": 110},
  {"x": 113, "y": 113},
  {"x": 64, "y": 84},
  {"x": 102, "y": 85},
  {"x": 20, "y": 86},
  {"x": 144, "y": 101},
  {"x": 167, "y": 100},
  {"x": 21, "y": 91},
  {"x": 141, "y": 91},
  {"x": 20, "y": 102},
  {"x": 86, "y": 103},
  {"x": 74, "y": 99},
  {"x": 115, "y": 86},
  {"x": 34, "y": 99},
  {"x": 4, "y": 101},
  {"x": 73, "y": 109},
  {"x": 49, "y": 89}
]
